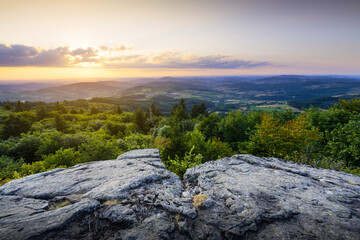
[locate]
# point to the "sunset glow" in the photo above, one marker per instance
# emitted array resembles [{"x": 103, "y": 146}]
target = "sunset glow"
[{"x": 69, "y": 39}]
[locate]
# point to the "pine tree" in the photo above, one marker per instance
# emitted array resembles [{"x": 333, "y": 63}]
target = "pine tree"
[
  {"x": 7, "y": 106},
  {"x": 202, "y": 109},
  {"x": 155, "y": 110},
  {"x": 179, "y": 111},
  {"x": 195, "y": 111},
  {"x": 61, "y": 108},
  {"x": 60, "y": 123},
  {"x": 140, "y": 120},
  {"x": 19, "y": 106},
  {"x": 41, "y": 113}
]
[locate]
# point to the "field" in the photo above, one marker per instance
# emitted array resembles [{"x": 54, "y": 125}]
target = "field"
[{"x": 272, "y": 107}]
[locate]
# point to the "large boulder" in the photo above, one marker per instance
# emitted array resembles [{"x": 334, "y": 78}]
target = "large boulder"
[{"x": 135, "y": 197}]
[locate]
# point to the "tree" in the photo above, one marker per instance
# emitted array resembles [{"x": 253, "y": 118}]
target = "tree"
[
  {"x": 7, "y": 106},
  {"x": 94, "y": 110},
  {"x": 182, "y": 110},
  {"x": 344, "y": 143},
  {"x": 198, "y": 110},
  {"x": 41, "y": 113},
  {"x": 60, "y": 107},
  {"x": 27, "y": 147},
  {"x": 140, "y": 121},
  {"x": 17, "y": 123},
  {"x": 195, "y": 111},
  {"x": 8, "y": 166},
  {"x": 50, "y": 143},
  {"x": 327, "y": 121},
  {"x": 174, "y": 110},
  {"x": 119, "y": 110},
  {"x": 209, "y": 126},
  {"x": 153, "y": 111},
  {"x": 60, "y": 123},
  {"x": 234, "y": 128},
  {"x": 202, "y": 109},
  {"x": 352, "y": 105},
  {"x": 179, "y": 111},
  {"x": 291, "y": 140},
  {"x": 19, "y": 106},
  {"x": 99, "y": 146},
  {"x": 115, "y": 128},
  {"x": 178, "y": 145}
]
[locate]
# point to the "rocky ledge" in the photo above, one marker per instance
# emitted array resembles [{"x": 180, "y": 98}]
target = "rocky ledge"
[{"x": 135, "y": 197}]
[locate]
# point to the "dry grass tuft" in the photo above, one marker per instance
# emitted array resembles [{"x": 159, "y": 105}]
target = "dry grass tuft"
[
  {"x": 62, "y": 204},
  {"x": 111, "y": 202},
  {"x": 177, "y": 218},
  {"x": 352, "y": 182},
  {"x": 198, "y": 200}
]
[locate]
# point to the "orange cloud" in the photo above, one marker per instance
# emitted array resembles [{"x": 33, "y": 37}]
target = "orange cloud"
[{"x": 23, "y": 56}]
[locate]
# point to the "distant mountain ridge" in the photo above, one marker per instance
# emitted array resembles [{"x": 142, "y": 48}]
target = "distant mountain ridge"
[{"x": 283, "y": 87}]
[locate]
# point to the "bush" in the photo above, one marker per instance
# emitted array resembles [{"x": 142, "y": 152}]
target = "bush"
[
  {"x": 290, "y": 140},
  {"x": 27, "y": 147},
  {"x": 233, "y": 129},
  {"x": 62, "y": 158},
  {"x": 17, "y": 123},
  {"x": 99, "y": 146},
  {"x": 7, "y": 145},
  {"x": 179, "y": 166},
  {"x": 115, "y": 129},
  {"x": 32, "y": 168},
  {"x": 209, "y": 126},
  {"x": 139, "y": 141},
  {"x": 344, "y": 143},
  {"x": 161, "y": 143},
  {"x": 219, "y": 150},
  {"x": 50, "y": 143},
  {"x": 8, "y": 166},
  {"x": 164, "y": 131}
]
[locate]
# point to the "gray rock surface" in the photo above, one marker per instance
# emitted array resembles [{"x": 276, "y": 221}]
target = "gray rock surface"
[{"x": 135, "y": 197}]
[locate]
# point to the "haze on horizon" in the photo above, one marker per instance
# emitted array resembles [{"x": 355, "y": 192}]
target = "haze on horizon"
[{"x": 48, "y": 39}]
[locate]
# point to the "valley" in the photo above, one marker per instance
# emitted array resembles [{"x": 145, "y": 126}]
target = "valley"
[{"x": 220, "y": 94}]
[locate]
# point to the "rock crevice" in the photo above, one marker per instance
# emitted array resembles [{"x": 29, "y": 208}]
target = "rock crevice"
[{"x": 135, "y": 197}]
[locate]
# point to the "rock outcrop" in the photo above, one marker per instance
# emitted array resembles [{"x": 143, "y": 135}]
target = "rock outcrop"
[{"x": 135, "y": 197}]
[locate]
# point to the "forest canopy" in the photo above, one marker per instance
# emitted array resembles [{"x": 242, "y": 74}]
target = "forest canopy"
[{"x": 37, "y": 136}]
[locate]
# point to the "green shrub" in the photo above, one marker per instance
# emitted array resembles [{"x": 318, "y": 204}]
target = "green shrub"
[
  {"x": 8, "y": 166},
  {"x": 139, "y": 141},
  {"x": 62, "y": 158},
  {"x": 180, "y": 165},
  {"x": 344, "y": 143}
]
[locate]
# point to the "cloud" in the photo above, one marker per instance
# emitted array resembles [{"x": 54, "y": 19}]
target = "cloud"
[
  {"x": 121, "y": 48},
  {"x": 22, "y": 56},
  {"x": 108, "y": 57},
  {"x": 85, "y": 55},
  {"x": 174, "y": 59},
  {"x": 115, "y": 49}
]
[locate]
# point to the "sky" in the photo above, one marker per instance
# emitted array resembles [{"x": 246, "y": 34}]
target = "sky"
[{"x": 48, "y": 39}]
